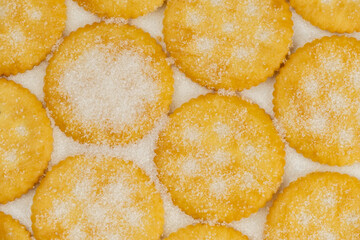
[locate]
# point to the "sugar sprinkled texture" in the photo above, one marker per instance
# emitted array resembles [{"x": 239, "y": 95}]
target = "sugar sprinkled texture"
[
  {"x": 142, "y": 153},
  {"x": 120, "y": 97}
]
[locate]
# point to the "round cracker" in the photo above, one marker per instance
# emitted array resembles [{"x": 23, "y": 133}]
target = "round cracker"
[
  {"x": 108, "y": 84},
  {"x": 316, "y": 100},
  {"x": 120, "y": 8},
  {"x": 28, "y": 30},
  {"x": 86, "y": 197},
  {"x": 11, "y": 229},
  {"x": 220, "y": 158},
  {"x": 340, "y": 16},
  {"x": 321, "y": 205},
  {"x": 228, "y": 44},
  {"x": 25, "y": 140},
  {"x": 206, "y": 232}
]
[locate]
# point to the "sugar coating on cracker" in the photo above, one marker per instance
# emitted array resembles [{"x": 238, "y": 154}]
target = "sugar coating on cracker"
[
  {"x": 316, "y": 100},
  {"x": 104, "y": 198},
  {"x": 112, "y": 88},
  {"x": 207, "y": 232},
  {"x": 26, "y": 140},
  {"x": 120, "y": 8},
  {"x": 228, "y": 44},
  {"x": 12, "y": 229},
  {"x": 29, "y": 31},
  {"x": 321, "y": 205},
  {"x": 339, "y": 16},
  {"x": 212, "y": 165}
]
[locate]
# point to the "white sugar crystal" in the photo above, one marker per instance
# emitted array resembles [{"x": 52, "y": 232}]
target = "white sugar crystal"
[
  {"x": 352, "y": 219},
  {"x": 250, "y": 151},
  {"x": 3, "y": 11},
  {"x": 248, "y": 180},
  {"x": 17, "y": 36},
  {"x": 35, "y": 14},
  {"x": 346, "y": 136},
  {"x": 97, "y": 214},
  {"x": 117, "y": 193},
  {"x": 133, "y": 217},
  {"x": 10, "y": 156},
  {"x": 83, "y": 189},
  {"x": 332, "y": 63},
  {"x": 228, "y": 27},
  {"x": 355, "y": 78},
  {"x": 190, "y": 167},
  {"x": 21, "y": 130},
  {"x": 318, "y": 123},
  {"x": 110, "y": 89},
  {"x": 328, "y": 199},
  {"x": 218, "y": 187},
  {"x": 216, "y": 2},
  {"x": 304, "y": 218},
  {"x": 76, "y": 233},
  {"x": 326, "y": 235},
  {"x": 251, "y": 9},
  {"x": 338, "y": 101},
  {"x": 194, "y": 18},
  {"x": 326, "y": 1},
  {"x": 243, "y": 52},
  {"x": 221, "y": 158},
  {"x": 59, "y": 210},
  {"x": 192, "y": 134},
  {"x": 263, "y": 35},
  {"x": 204, "y": 44},
  {"x": 311, "y": 86},
  {"x": 222, "y": 130}
]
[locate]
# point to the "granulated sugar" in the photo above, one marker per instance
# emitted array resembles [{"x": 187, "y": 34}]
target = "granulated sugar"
[{"x": 142, "y": 152}]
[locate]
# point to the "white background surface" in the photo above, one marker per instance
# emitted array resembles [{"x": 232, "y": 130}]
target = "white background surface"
[{"x": 142, "y": 153}]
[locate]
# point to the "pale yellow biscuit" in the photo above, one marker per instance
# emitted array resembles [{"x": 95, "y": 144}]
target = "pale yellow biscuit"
[
  {"x": 206, "y": 232},
  {"x": 11, "y": 229},
  {"x": 108, "y": 84},
  {"x": 220, "y": 158},
  {"x": 86, "y": 197},
  {"x": 319, "y": 206},
  {"x": 25, "y": 140},
  {"x": 230, "y": 44},
  {"x": 333, "y": 15},
  {"x": 28, "y": 30},
  {"x": 316, "y": 100},
  {"x": 121, "y": 8}
]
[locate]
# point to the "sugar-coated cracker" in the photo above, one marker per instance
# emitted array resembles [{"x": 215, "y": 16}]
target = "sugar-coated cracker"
[
  {"x": 321, "y": 205},
  {"x": 206, "y": 232},
  {"x": 25, "y": 140},
  {"x": 316, "y": 100},
  {"x": 87, "y": 197},
  {"x": 220, "y": 158},
  {"x": 228, "y": 44},
  {"x": 340, "y": 16},
  {"x": 11, "y": 229},
  {"x": 108, "y": 84},
  {"x": 28, "y": 31},
  {"x": 120, "y": 8}
]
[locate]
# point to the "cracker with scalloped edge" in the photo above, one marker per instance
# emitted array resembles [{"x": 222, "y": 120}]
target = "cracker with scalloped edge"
[
  {"x": 316, "y": 100},
  {"x": 88, "y": 197},
  {"x": 25, "y": 140},
  {"x": 108, "y": 84},
  {"x": 220, "y": 157},
  {"x": 28, "y": 31},
  {"x": 321, "y": 205},
  {"x": 228, "y": 44}
]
